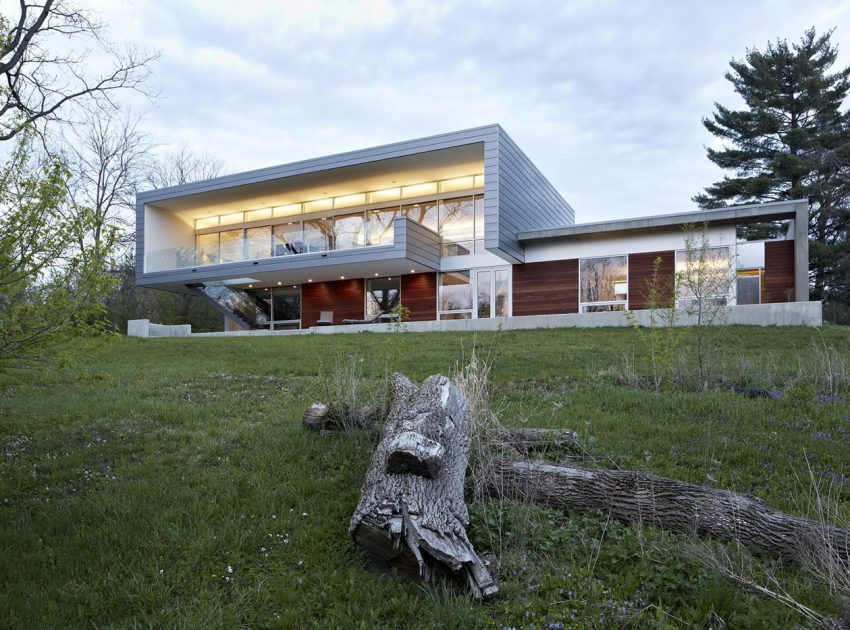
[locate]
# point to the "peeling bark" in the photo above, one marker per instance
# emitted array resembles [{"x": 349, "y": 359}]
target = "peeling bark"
[
  {"x": 670, "y": 504},
  {"x": 411, "y": 505}
]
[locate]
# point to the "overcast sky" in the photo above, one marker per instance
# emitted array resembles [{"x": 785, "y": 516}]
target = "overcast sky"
[{"x": 605, "y": 97}]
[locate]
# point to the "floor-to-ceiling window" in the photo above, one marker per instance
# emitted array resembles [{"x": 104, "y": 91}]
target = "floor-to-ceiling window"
[
  {"x": 603, "y": 283},
  {"x": 286, "y": 307},
  {"x": 382, "y": 295},
  {"x": 490, "y": 288}
]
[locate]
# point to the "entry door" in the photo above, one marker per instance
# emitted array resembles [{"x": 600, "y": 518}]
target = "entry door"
[{"x": 493, "y": 290}]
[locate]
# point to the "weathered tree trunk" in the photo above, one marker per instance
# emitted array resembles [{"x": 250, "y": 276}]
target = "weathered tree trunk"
[
  {"x": 411, "y": 502},
  {"x": 675, "y": 505}
]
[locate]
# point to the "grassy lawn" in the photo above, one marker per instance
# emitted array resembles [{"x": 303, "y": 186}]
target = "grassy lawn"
[{"x": 169, "y": 483}]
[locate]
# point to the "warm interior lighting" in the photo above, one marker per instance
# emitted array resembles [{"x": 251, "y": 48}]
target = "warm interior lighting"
[
  {"x": 294, "y": 287},
  {"x": 206, "y": 222},
  {"x": 347, "y": 201},
  {"x": 479, "y": 181},
  {"x": 233, "y": 217},
  {"x": 287, "y": 210},
  {"x": 279, "y": 283},
  {"x": 250, "y": 286},
  {"x": 413, "y": 271},
  {"x": 388, "y": 194},
  {"x": 258, "y": 215},
  {"x": 459, "y": 183},
  {"x": 309, "y": 279},
  {"x": 418, "y": 190},
  {"x": 319, "y": 204},
  {"x": 342, "y": 277},
  {"x": 376, "y": 274}
]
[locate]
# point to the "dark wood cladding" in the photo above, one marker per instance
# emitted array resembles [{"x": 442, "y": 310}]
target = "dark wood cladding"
[
  {"x": 641, "y": 268},
  {"x": 545, "y": 288},
  {"x": 779, "y": 271},
  {"x": 346, "y": 298},
  {"x": 419, "y": 294}
]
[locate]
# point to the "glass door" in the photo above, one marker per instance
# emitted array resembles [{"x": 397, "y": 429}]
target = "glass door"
[{"x": 492, "y": 292}]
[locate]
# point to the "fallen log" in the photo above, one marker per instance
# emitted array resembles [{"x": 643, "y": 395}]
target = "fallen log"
[
  {"x": 533, "y": 440},
  {"x": 411, "y": 507},
  {"x": 670, "y": 504},
  {"x": 320, "y": 417}
]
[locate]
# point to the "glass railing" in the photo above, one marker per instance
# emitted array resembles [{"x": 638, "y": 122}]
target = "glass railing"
[{"x": 239, "y": 250}]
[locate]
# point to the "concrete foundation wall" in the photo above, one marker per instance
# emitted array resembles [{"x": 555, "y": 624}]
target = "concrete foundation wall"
[
  {"x": 786, "y": 314},
  {"x": 144, "y": 328}
]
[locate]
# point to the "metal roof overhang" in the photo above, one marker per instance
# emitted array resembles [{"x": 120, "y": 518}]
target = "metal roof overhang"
[{"x": 750, "y": 213}]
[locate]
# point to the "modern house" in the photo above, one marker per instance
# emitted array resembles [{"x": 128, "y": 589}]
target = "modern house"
[{"x": 456, "y": 226}]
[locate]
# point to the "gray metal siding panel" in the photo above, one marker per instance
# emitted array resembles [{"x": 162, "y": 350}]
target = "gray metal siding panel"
[{"x": 526, "y": 200}]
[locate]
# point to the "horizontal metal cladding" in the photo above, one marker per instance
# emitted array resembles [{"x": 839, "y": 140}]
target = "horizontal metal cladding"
[
  {"x": 351, "y": 158},
  {"x": 420, "y": 243},
  {"x": 545, "y": 288},
  {"x": 524, "y": 200},
  {"x": 642, "y": 277},
  {"x": 779, "y": 271}
]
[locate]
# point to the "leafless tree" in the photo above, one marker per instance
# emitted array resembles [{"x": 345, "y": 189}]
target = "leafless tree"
[
  {"x": 182, "y": 166},
  {"x": 108, "y": 158},
  {"x": 42, "y": 76}
]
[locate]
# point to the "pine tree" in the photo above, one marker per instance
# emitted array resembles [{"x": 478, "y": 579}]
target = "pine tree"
[{"x": 791, "y": 141}]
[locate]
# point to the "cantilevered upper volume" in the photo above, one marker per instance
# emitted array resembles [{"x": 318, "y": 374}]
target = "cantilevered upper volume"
[{"x": 460, "y": 225}]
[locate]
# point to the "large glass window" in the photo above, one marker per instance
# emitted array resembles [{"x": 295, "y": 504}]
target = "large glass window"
[
  {"x": 258, "y": 242},
  {"x": 603, "y": 284},
  {"x": 232, "y": 246},
  {"x": 381, "y": 226},
  {"x": 349, "y": 231},
  {"x": 382, "y": 295},
  {"x": 424, "y": 213},
  {"x": 503, "y": 286},
  {"x": 457, "y": 225},
  {"x": 455, "y": 295},
  {"x": 286, "y": 304},
  {"x": 288, "y": 239},
  {"x": 206, "y": 247},
  {"x": 484, "y": 293},
  {"x": 705, "y": 273},
  {"x": 318, "y": 235}
]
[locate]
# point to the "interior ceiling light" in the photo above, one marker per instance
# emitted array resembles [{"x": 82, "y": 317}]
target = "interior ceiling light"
[
  {"x": 279, "y": 283},
  {"x": 413, "y": 271},
  {"x": 342, "y": 277}
]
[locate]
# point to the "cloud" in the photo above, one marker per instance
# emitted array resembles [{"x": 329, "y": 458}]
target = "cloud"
[{"x": 605, "y": 97}]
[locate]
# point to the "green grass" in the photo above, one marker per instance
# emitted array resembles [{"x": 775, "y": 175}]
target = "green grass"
[{"x": 133, "y": 478}]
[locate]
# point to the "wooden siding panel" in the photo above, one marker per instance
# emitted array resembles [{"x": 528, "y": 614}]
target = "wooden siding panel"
[
  {"x": 779, "y": 271},
  {"x": 641, "y": 268},
  {"x": 346, "y": 298},
  {"x": 419, "y": 294},
  {"x": 545, "y": 288}
]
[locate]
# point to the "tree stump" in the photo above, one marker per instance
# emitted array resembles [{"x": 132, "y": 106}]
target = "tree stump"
[{"x": 411, "y": 505}]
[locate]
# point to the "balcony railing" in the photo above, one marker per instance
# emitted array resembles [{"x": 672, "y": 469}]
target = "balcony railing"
[{"x": 239, "y": 250}]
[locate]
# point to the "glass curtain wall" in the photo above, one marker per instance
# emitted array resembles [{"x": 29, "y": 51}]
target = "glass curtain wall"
[
  {"x": 603, "y": 284},
  {"x": 457, "y": 226},
  {"x": 382, "y": 295},
  {"x": 455, "y": 295},
  {"x": 490, "y": 288},
  {"x": 382, "y": 226},
  {"x": 288, "y": 239}
]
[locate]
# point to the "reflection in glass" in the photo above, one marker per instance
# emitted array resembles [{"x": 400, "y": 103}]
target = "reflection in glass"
[
  {"x": 382, "y": 295},
  {"x": 287, "y": 239},
  {"x": 381, "y": 226},
  {"x": 258, "y": 242},
  {"x": 286, "y": 303},
  {"x": 457, "y": 224},
  {"x": 479, "y": 217},
  {"x": 706, "y": 271},
  {"x": 502, "y": 288},
  {"x": 318, "y": 235},
  {"x": 424, "y": 213},
  {"x": 466, "y": 315},
  {"x": 602, "y": 308},
  {"x": 232, "y": 246},
  {"x": 484, "y": 291},
  {"x": 455, "y": 291},
  {"x": 349, "y": 231},
  {"x": 604, "y": 279},
  {"x": 206, "y": 246}
]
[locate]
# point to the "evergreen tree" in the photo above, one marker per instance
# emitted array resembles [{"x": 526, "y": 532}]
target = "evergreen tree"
[{"x": 791, "y": 141}]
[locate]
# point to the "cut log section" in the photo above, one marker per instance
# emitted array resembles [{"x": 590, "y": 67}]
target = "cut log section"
[
  {"x": 411, "y": 507},
  {"x": 670, "y": 504}
]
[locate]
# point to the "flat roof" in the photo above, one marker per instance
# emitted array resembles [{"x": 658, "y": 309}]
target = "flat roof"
[{"x": 749, "y": 213}]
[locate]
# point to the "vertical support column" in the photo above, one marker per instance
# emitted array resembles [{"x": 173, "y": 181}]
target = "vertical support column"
[{"x": 801, "y": 252}]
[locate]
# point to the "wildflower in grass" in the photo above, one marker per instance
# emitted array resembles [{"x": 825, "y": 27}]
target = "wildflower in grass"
[{"x": 229, "y": 569}]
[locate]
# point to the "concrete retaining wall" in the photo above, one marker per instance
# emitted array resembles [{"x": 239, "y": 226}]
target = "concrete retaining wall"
[{"x": 144, "y": 328}]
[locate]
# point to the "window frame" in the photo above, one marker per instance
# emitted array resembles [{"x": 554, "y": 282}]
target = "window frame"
[{"x": 603, "y": 303}]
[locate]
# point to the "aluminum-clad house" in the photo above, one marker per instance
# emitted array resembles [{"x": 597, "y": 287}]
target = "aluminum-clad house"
[{"x": 456, "y": 226}]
